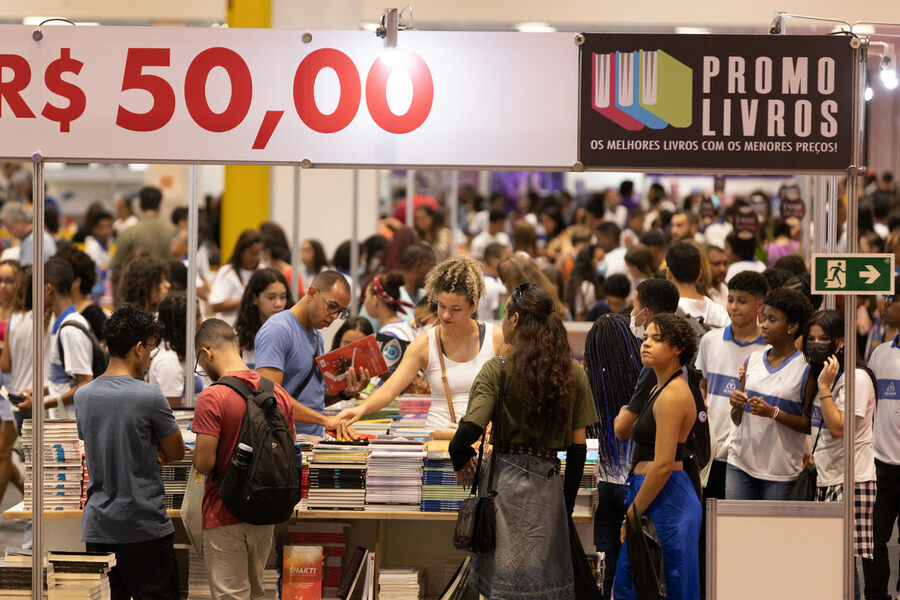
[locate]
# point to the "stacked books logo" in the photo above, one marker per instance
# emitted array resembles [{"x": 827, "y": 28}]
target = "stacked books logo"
[{"x": 643, "y": 88}]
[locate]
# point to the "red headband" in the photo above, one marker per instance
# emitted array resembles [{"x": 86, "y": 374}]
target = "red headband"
[{"x": 390, "y": 300}]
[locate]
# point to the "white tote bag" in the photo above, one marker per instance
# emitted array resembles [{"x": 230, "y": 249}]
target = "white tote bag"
[{"x": 192, "y": 509}]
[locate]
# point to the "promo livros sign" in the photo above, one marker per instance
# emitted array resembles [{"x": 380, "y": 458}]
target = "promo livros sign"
[{"x": 716, "y": 102}]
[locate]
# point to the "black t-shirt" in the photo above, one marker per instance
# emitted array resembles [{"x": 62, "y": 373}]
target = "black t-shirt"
[{"x": 96, "y": 318}]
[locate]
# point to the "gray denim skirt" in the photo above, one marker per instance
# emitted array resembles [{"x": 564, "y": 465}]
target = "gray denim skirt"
[{"x": 532, "y": 559}]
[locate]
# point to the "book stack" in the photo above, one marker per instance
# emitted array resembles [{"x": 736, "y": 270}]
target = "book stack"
[
  {"x": 198, "y": 583},
  {"x": 394, "y": 475},
  {"x": 372, "y": 428},
  {"x": 175, "y": 476},
  {"x": 63, "y": 464},
  {"x": 15, "y": 575},
  {"x": 405, "y": 583},
  {"x": 79, "y": 575},
  {"x": 412, "y": 426},
  {"x": 440, "y": 492},
  {"x": 329, "y": 539},
  {"x": 337, "y": 476},
  {"x": 414, "y": 404}
]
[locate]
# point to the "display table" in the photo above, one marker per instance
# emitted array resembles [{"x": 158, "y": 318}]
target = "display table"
[{"x": 398, "y": 538}]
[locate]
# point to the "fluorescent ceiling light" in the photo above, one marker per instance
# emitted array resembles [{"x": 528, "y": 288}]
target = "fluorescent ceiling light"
[
  {"x": 692, "y": 30},
  {"x": 535, "y": 27},
  {"x": 869, "y": 94},
  {"x": 369, "y": 26},
  {"x": 36, "y": 21}
]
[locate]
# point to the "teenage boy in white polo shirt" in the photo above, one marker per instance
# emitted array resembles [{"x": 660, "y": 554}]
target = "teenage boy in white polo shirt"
[
  {"x": 721, "y": 354},
  {"x": 885, "y": 363}
]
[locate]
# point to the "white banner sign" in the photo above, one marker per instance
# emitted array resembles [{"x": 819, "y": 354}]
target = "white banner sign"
[{"x": 123, "y": 94}]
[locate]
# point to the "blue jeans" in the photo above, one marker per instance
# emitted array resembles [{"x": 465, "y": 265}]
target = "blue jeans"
[
  {"x": 741, "y": 486},
  {"x": 608, "y": 527}
]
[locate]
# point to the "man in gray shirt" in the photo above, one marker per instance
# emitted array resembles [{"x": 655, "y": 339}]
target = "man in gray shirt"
[{"x": 129, "y": 430}]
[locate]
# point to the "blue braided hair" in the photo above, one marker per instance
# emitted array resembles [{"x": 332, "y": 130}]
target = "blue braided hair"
[{"x": 612, "y": 361}]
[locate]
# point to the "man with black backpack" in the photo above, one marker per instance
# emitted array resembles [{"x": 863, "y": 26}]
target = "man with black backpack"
[
  {"x": 245, "y": 445},
  {"x": 76, "y": 357}
]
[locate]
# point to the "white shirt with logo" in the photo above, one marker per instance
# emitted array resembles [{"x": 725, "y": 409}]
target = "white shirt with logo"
[{"x": 885, "y": 363}]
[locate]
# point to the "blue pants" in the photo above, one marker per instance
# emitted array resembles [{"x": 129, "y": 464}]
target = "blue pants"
[
  {"x": 676, "y": 513},
  {"x": 741, "y": 486}
]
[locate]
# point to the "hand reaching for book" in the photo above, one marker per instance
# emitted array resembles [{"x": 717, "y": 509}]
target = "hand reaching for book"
[{"x": 344, "y": 420}]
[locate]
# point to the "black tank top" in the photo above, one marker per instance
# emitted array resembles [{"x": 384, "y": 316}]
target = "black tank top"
[{"x": 643, "y": 433}]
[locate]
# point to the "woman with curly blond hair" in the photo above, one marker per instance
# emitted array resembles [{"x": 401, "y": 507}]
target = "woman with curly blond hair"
[{"x": 455, "y": 286}]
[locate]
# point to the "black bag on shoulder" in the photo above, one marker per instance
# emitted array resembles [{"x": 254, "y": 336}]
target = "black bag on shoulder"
[
  {"x": 99, "y": 356},
  {"x": 476, "y": 521},
  {"x": 804, "y": 489},
  {"x": 645, "y": 558},
  {"x": 266, "y": 490}
]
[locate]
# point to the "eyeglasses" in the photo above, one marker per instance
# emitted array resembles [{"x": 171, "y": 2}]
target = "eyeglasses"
[
  {"x": 334, "y": 309},
  {"x": 888, "y": 300},
  {"x": 198, "y": 370}
]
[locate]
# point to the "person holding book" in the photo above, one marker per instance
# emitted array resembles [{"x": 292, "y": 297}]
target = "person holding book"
[
  {"x": 457, "y": 347},
  {"x": 235, "y": 552},
  {"x": 658, "y": 483},
  {"x": 129, "y": 430},
  {"x": 288, "y": 342},
  {"x": 545, "y": 406}
]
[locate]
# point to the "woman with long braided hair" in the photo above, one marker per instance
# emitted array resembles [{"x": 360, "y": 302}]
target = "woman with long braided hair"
[{"x": 612, "y": 361}]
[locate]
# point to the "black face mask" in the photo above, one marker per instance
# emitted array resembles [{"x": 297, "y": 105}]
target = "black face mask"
[{"x": 818, "y": 352}]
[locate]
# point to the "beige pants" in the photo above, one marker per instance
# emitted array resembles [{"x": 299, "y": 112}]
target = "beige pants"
[{"x": 235, "y": 557}]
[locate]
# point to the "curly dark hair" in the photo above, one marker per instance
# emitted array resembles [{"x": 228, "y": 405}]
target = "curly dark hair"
[
  {"x": 172, "y": 318},
  {"x": 683, "y": 260},
  {"x": 248, "y": 323},
  {"x": 127, "y": 326},
  {"x": 749, "y": 281},
  {"x": 541, "y": 359},
  {"x": 83, "y": 266},
  {"x": 583, "y": 270},
  {"x": 140, "y": 277},
  {"x": 794, "y": 304},
  {"x": 676, "y": 332}
]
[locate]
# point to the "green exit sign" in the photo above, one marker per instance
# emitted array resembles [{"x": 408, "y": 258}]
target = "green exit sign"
[{"x": 853, "y": 274}]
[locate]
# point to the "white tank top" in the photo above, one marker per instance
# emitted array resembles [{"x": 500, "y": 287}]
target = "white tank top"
[{"x": 460, "y": 376}]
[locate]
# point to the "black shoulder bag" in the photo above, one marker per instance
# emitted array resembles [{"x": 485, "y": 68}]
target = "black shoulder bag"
[
  {"x": 645, "y": 557},
  {"x": 804, "y": 488},
  {"x": 476, "y": 522}
]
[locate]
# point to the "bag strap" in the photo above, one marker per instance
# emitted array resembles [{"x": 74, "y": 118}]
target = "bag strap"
[
  {"x": 59, "y": 345},
  {"x": 440, "y": 349},
  {"x": 312, "y": 371},
  {"x": 495, "y": 421}
]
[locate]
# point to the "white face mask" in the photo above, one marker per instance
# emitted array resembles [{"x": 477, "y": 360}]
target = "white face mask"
[{"x": 637, "y": 330}]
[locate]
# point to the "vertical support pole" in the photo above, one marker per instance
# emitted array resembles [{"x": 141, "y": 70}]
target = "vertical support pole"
[
  {"x": 410, "y": 192},
  {"x": 820, "y": 213},
  {"x": 832, "y": 232},
  {"x": 190, "y": 326},
  {"x": 354, "y": 247},
  {"x": 454, "y": 213},
  {"x": 37, "y": 384},
  {"x": 296, "y": 264},
  {"x": 806, "y": 192},
  {"x": 859, "y": 86}
]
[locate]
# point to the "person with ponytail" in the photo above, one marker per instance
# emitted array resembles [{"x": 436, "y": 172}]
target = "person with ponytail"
[
  {"x": 384, "y": 302},
  {"x": 823, "y": 343},
  {"x": 612, "y": 361},
  {"x": 546, "y": 407}
]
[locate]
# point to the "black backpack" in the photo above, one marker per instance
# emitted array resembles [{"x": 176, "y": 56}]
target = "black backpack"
[
  {"x": 268, "y": 489},
  {"x": 99, "y": 356},
  {"x": 698, "y": 325}
]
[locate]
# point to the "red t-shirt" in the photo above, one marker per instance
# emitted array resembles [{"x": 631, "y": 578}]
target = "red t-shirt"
[{"x": 220, "y": 413}]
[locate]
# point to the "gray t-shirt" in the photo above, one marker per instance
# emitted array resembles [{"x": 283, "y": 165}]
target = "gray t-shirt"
[{"x": 120, "y": 420}]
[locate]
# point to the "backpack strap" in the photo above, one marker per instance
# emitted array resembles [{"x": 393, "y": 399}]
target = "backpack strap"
[{"x": 59, "y": 344}]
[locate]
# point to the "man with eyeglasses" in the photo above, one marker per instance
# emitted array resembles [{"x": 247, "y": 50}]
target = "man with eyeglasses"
[
  {"x": 885, "y": 364},
  {"x": 288, "y": 342},
  {"x": 129, "y": 430}
]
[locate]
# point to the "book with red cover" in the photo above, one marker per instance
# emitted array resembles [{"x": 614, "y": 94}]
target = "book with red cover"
[
  {"x": 302, "y": 574},
  {"x": 361, "y": 354}
]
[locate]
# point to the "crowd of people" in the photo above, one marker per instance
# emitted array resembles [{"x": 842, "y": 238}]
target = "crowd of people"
[{"x": 710, "y": 369}]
